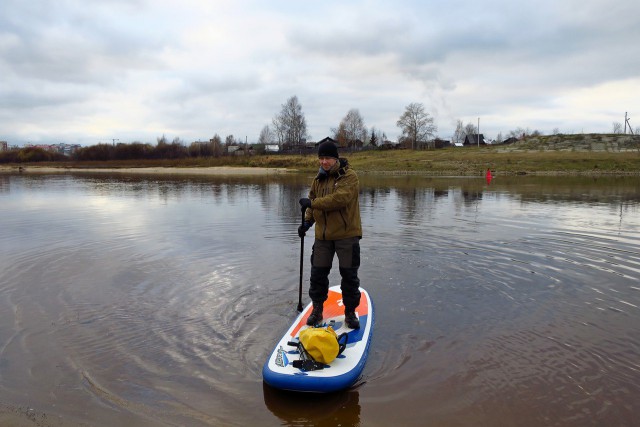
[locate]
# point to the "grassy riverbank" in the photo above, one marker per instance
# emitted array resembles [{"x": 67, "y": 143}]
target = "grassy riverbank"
[{"x": 542, "y": 156}]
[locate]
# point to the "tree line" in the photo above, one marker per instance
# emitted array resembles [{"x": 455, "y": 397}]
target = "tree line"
[{"x": 288, "y": 130}]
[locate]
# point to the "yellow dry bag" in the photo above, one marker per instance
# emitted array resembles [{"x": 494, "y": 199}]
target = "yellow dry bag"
[{"x": 323, "y": 344}]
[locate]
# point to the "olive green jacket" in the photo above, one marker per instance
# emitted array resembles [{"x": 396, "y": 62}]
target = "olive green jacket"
[{"x": 334, "y": 203}]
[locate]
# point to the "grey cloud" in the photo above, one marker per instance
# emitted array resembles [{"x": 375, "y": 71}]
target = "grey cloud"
[
  {"x": 27, "y": 97},
  {"x": 460, "y": 58},
  {"x": 77, "y": 45},
  {"x": 337, "y": 41}
]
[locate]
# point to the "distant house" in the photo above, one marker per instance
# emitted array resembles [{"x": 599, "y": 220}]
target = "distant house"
[
  {"x": 441, "y": 143},
  {"x": 272, "y": 148},
  {"x": 473, "y": 140},
  {"x": 510, "y": 140}
]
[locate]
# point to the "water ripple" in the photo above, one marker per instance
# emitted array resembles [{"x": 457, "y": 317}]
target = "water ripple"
[{"x": 148, "y": 301}]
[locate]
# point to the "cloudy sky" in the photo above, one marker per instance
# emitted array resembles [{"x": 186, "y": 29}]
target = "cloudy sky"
[{"x": 90, "y": 71}]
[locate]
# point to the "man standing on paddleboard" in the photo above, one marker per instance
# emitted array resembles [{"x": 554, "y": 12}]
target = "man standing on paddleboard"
[{"x": 334, "y": 208}]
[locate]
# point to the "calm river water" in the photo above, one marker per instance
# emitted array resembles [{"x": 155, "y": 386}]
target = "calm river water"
[{"x": 155, "y": 301}]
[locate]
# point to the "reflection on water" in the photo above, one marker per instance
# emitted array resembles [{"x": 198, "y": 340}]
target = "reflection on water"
[
  {"x": 147, "y": 300},
  {"x": 301, "y": 409}
]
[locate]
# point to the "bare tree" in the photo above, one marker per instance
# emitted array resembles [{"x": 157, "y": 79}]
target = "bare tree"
[
  {"x": 354, "y": 128},
  {"x": 215, "y": 145},
  {"x": 279, "y": 130},
  {"x": 459, "y": 134},
  {"x": 266, "y": 136},
  {"x": 470, "y": 129},
  {"x": 617, "y": 127},
  {"x": 416, "y": 125},
  {"x": 290, "y": 125},
  {"x": 162, "y": 140},
  {"x": 340, "y": 134},
  {"x": 519, "y": 133}
]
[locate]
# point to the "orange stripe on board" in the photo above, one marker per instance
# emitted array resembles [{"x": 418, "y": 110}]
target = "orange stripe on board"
[{"x": 333, "y": 307}]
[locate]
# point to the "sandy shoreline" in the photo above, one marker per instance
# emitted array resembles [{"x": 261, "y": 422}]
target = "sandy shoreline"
[
  {"x": 217, "y": 170},
  {"x": 262, "y": 171}
]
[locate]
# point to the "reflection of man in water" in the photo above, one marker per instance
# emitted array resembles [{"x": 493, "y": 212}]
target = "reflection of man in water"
[
  {"x": 318, "y": 409},
  {"x": 334, "y": 208}
]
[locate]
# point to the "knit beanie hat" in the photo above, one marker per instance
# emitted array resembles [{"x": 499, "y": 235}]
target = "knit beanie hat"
[{"x": 328, "y": 149}]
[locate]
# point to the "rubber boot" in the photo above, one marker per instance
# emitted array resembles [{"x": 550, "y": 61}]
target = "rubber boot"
[
  {"x": 350, "y": 287},
  {"x": 351, "y": 319},
  {"x": 319, "y": 284},
  {"x": 316, "y": 315}
]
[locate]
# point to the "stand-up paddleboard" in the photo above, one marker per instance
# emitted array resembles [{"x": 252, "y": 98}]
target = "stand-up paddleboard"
[{"x": 279, "y": 372}]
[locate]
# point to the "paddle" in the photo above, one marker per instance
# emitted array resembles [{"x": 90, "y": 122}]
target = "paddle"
[{"x": 301, "y": 263}]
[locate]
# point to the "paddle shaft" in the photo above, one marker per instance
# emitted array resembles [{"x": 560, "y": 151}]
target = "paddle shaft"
[{"x": 301, "y": 264}]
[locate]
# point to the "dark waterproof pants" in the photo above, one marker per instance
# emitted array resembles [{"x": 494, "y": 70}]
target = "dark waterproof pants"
[{"x": 348, "y": 251}]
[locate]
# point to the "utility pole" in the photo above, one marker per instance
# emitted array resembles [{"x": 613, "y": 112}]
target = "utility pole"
[
  {"x": 113, "y": 141},
  {"x": 625, "y": 122}
]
